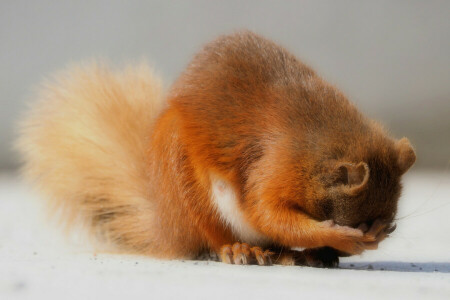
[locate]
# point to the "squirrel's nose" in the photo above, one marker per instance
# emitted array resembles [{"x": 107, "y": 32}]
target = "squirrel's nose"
[{"x": 391, "y": 228}]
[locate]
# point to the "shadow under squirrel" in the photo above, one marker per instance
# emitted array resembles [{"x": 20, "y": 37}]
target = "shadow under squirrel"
[{"x": 249, "y": 154}]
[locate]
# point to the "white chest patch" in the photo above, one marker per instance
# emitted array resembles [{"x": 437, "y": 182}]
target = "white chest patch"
[{"x": 225, "y": 198}]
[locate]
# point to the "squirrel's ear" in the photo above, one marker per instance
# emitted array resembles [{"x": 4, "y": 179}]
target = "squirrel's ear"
[
  {"x": 406, "y": 155},
  {"x": 354, "y": 178}
]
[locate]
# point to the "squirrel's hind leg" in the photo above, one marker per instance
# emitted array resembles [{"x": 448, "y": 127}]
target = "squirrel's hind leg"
[{"x": 243, "y": 254}]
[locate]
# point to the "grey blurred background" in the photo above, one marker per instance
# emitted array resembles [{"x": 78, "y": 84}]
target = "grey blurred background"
[{"x": 392, "y": 58}]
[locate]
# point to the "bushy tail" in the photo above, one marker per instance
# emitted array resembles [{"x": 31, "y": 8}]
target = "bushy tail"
[{"x": 84, "y": 147}]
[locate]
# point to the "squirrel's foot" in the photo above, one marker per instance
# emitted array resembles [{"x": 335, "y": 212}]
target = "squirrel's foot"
[
  {"x": 324, "y": 257},
  {"x": 243, "y": 254}
]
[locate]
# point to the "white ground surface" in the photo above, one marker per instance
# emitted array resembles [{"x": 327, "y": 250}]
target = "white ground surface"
[{"x": 36, "y": 262}]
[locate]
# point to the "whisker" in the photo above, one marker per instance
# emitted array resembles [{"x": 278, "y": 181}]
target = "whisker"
[
  {"x": 425, "y": 212},
  {"x": 433, "y": 194}
]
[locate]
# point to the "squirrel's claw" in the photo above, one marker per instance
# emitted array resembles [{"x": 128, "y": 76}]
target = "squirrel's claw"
[{"x": 243, "y": 254}]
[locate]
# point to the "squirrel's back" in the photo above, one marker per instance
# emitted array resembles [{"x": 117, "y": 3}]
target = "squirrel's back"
[{"x": 84, "y": 146}]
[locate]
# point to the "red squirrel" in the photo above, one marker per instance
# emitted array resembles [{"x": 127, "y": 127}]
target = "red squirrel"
[{"x": 248, "y": 156}]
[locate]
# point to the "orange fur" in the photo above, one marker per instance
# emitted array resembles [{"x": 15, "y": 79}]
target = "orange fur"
[{"x": 290, "y": 151}]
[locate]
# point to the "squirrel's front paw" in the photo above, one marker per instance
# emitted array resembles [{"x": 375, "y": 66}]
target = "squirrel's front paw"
[
  {"x": 243, "y": 254},
  {"x": 355, "y": 240}
]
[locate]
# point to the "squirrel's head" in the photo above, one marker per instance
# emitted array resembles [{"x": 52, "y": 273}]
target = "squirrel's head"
[{"x": 361, "y": 187}]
